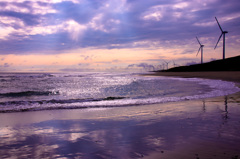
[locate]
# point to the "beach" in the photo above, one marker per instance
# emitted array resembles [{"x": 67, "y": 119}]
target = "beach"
[
  {"x": 191, "y": 129},
  {"x": 233, "y": 76}
]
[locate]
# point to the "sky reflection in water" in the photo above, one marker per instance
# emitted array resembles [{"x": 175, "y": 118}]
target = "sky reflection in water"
[{"x": 129, "y": 132}]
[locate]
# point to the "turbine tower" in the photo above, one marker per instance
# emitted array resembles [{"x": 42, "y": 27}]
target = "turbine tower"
[
  {"x": 223, "y": 33},
  {"x": 201, "y": 48}
]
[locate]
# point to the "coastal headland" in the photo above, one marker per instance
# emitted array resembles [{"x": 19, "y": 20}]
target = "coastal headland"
[{"x": 228, "y": 70}]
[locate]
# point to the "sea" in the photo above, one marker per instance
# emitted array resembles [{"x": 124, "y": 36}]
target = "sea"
[{"x": 47, "y": 91}]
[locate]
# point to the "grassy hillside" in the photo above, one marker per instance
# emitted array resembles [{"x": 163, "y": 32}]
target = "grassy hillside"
[{"x": 229, "y": 64}]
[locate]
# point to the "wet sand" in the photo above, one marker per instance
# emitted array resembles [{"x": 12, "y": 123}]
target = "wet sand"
[
  {"x": 233, "y": 76},
  {"x": 198, "y": 129}
]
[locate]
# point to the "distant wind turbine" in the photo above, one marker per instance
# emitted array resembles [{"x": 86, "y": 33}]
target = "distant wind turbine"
[
  {"x": 223, "y": 33},
  {"x": 167, "y": 63},
  {"x": 200, "y": 48},
  {"x": 163, "y": 66},
  {"x": 174, "y": 64}
]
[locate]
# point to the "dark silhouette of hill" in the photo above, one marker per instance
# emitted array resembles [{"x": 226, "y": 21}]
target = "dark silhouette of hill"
[{"x": 229, "y": 64}]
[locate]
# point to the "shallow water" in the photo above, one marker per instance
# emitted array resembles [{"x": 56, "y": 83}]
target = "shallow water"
[
  {"x": 206, "y": 128},
  {"x": 41, "y": 91}
]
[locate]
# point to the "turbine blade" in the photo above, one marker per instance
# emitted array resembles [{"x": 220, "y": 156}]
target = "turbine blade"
[
  {"x": 198, "y": 50},
  {"x": 218, "y": 40},
  {"x": 198, "y": 41},
  {"x": 219, "y": 24}
]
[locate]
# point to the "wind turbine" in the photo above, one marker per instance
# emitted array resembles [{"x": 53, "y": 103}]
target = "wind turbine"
[
  {"x": 223, "y": 33},
  {"x": 167, "y": 63},
  {"x": 163, "y": 66},
  {"x": 201, "y": 48},
  {"x": 174, "y": 64}
]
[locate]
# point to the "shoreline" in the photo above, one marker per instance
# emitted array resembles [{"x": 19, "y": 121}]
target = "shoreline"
[
  {"x": 233, "y": 76},
  {"x": 230, "y": 76},
  {"x": 193, "y": 129},
  {"x": 203, "y": 128}
]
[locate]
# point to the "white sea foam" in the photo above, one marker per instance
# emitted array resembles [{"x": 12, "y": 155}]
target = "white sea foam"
[{"x": 36, "y": 91}]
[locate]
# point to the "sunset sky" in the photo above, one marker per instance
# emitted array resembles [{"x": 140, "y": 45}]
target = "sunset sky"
[{"x": 113, "y": 35}]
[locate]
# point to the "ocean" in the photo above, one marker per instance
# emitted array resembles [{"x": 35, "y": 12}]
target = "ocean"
[{"x": 45, "y": 91}]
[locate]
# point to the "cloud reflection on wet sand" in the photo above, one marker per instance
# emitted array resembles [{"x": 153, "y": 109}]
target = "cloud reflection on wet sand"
[{"x": 190, "y": 130}]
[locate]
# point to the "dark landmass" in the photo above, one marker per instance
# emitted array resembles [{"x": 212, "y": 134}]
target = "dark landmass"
[
  {"x": 228, "y": 70},
  {"x": 229, "y": 64}
]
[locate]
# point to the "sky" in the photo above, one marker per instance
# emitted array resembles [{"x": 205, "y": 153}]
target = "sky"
[{"x": 113, "y": 35}]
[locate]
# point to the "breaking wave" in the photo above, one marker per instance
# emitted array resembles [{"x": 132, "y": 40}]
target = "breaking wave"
[{"x": 32, "y": 92}]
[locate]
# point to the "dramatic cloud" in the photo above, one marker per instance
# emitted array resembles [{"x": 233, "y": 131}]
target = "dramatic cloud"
[{"x": 61, "y": 26}]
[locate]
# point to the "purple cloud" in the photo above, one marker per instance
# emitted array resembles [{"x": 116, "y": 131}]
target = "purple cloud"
[
  {"x": 145, "y": 66},
  {"x": 45, "y": 26},
  {"x": 5, "y": 65}
]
